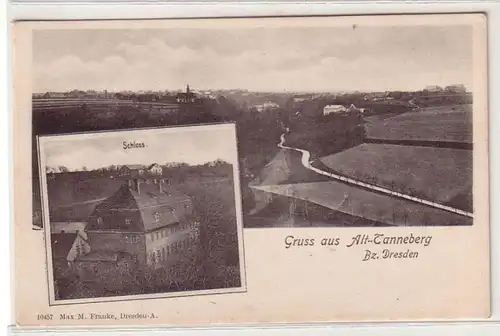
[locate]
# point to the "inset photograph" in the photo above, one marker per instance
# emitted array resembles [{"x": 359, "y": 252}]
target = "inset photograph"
[{"x": 142, "y": 213}]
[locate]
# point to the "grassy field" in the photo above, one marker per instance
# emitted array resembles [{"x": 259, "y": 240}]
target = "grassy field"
[
  {"x": 438, "y": 174},
  {"x": 367, "y": 204},
  {"x": 286, "y": 211},
  {"x": 441, "y": 123},
  {"x": 284, "y": 168},
  {"x": 326, "y": 135}
]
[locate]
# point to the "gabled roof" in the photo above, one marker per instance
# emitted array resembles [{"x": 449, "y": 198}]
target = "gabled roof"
[
  {"x": 77, "y": 212},
  {"x": 335, "y": 106},
  {"x": 134, "y": 166},
  {"x": 152, "y": 165},
  {"x": 141, "y": 208},
  {"x": 61, "y": 244},
  {"x": 186, "y": 94}
]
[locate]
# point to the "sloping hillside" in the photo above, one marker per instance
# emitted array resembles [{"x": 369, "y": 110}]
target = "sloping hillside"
[
  {"x": 366, "y": 204},
  {"x": 285, "y": 167}
]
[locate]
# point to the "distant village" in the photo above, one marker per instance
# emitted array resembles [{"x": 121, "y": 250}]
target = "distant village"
[
  {"x": 136, "y": 169},
  {"x": 258, "y": 101}
]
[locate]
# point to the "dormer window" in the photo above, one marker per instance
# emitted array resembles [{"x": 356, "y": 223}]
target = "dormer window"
[
  {"x": 157, "y": 216},
  {"x": 99, "y": 221},
  {"x": 128, "y": 221}
]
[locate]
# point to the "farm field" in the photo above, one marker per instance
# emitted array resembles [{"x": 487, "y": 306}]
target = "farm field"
[
  {"x": 284, "y": 168},
  {"x": 286, "y": 211},
  {"x": 441, "y": 123},
  {"x": 439, "y": 174},
  {"x": 367, "y": 204}
]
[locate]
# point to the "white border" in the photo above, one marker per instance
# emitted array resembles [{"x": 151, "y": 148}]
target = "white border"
[
  {"x": 61, "y": 11},
  {"x": 43, "y": 140}
]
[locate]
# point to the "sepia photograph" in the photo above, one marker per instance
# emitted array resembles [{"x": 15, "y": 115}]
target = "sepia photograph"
[
  {"x": 131, "y": 213},
  {"x": 345, "y": 148},
  {"x": 346, "y": 126}
]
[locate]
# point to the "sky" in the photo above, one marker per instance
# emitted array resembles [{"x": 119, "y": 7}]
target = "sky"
[
  {"x": 199, "y": 145},
  {"x": 324, "y": 59}
]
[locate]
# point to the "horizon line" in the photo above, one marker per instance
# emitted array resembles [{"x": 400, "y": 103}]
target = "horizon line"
[
  {"x": 177, "y": 163},
  {"x": 252, "y": 91}
]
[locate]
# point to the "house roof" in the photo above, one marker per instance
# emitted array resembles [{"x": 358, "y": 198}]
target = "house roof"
[
  {"x": 134, "y": 166},
  {"x": 152, "y": 165},
  {"x": 61, "y": 244},
  {"x": 77, "y": 212},
  {"x": 141, "y": 208},
  {"x": 334, "y": 108},
  {"x": 186, "y": 94}
]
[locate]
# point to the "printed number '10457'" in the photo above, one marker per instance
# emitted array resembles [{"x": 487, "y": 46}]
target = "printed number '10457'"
[{"x": 44, "y": 316}]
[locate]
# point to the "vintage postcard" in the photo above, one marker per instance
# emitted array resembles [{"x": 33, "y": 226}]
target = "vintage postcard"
[
  {"x": 358, "y": 169},
  {"x": 133, "y": 215}
]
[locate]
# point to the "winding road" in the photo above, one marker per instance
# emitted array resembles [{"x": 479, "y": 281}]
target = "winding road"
[{"x": 306, "y": 162}]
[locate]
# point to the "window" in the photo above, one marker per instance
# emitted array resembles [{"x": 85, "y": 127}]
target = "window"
[
  {"x": 96, "y": 269},
  {"x": 157, "y": 235},
  {"x": 99, "y": 221},
  {"x": 134, "y": 239},
  {"x": 128, "y": 221},
  {"x": 78, "y": 250},
  {"x": 152, "y": 257},
  {"x": 163, "y": 250},
  {"x": 157, "y": 216}
]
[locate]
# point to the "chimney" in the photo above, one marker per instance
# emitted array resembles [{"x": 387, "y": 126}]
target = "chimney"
[{"x": 135, "y": 185}]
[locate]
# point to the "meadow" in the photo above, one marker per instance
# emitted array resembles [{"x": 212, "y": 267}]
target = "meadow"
[
  {"x": 440, "y": 123},
  {"x": 369, "y": 205},
  {"x": 439, "y": 174}
]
